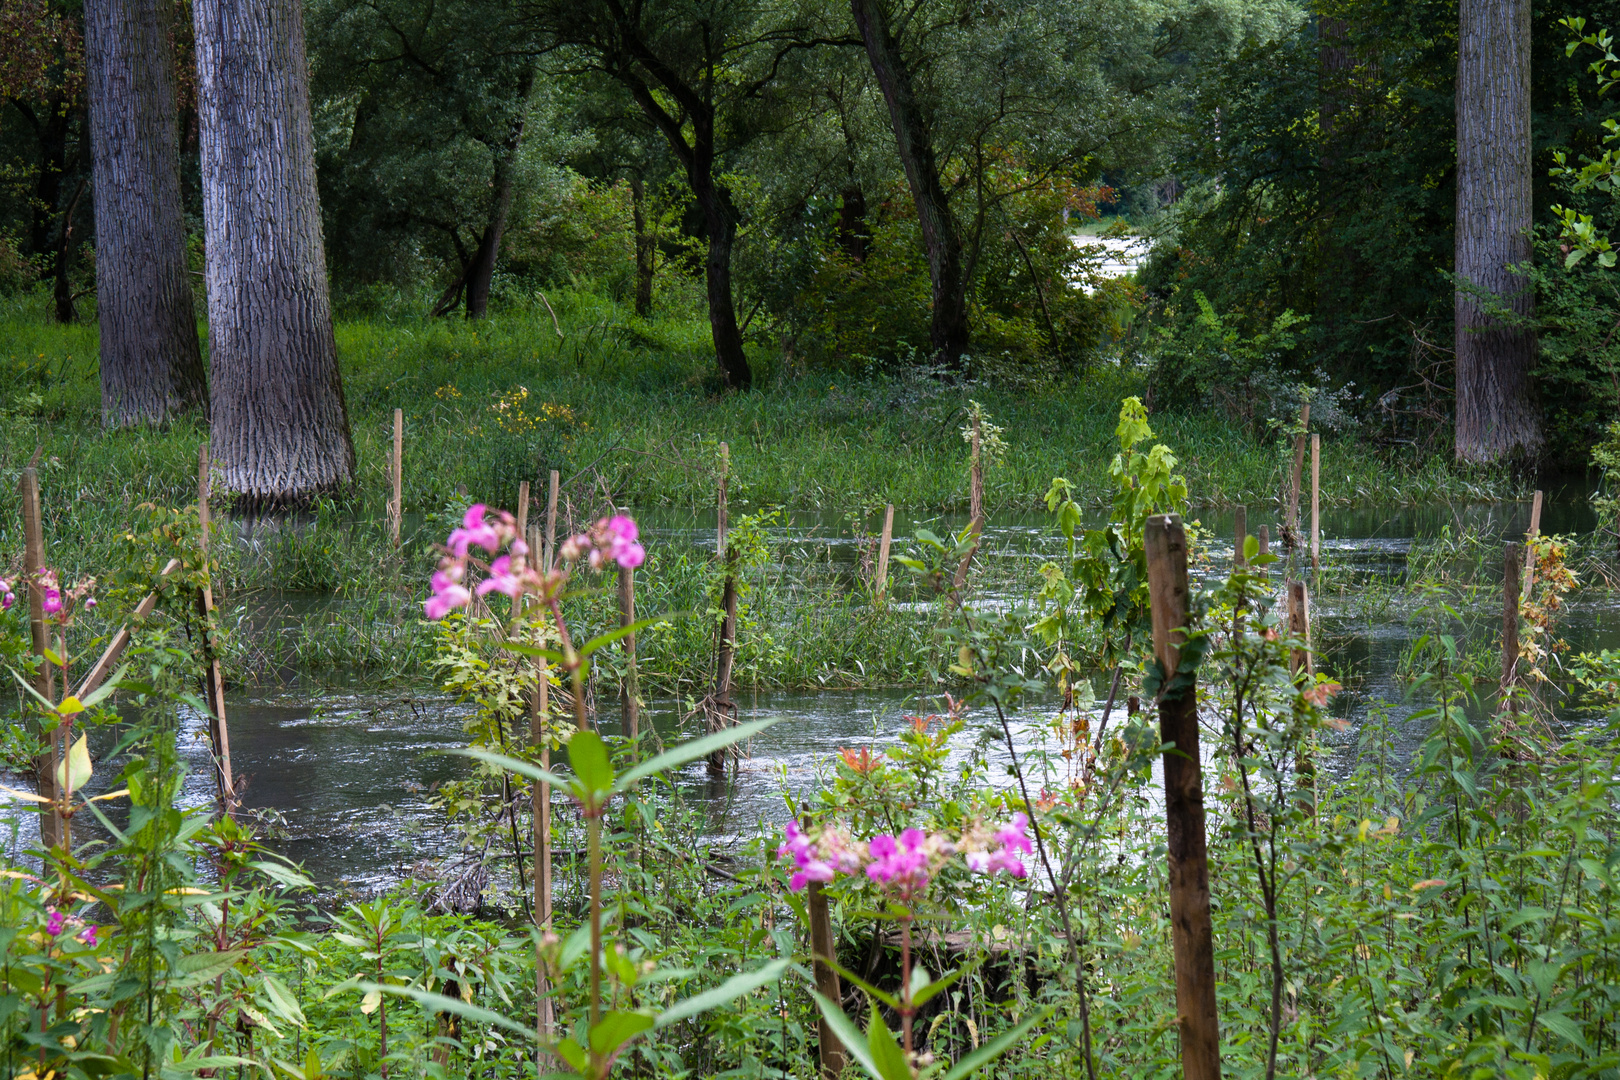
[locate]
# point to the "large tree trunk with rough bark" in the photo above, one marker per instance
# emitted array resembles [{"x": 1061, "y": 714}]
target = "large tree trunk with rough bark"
[
  {"x": 942, "y": 243},
  {"x": 280, "y": 425},
  {"x": 644, "y": 247},
  {"x": 151, "y": 365},
  {"x": 1496, "y": 408}
]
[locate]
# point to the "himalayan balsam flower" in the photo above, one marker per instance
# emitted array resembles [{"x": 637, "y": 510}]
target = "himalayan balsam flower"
[
  {"x": 53, "y": 602},
  {"x": 88, "y": 935},
  {"x": 55, "y": 923},
  {"x": 902, "y": 864},
  {"x": 1012, "y": 841}
]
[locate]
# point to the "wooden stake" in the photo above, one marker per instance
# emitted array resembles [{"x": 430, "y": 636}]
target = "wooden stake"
[
  {"x": 1511, "y": 592},
  {"x": 523, "y": 510},
  {"x": 1240, "y": 535},
  {"x": 975, "y": 511},
  {"x": 1316, "y": 501},
  {"x": 540, "y": 813},
  {"x": 396, "y": 504},
  {"x": 1192, "y": 934},
  {"x": 627, "y": 616},
  {"x": 1264, "y": 537},
  {"x": 213, "y": 677},
  {"x": 551, "y": 524},
  {"x": 1303, "y": 668},
  {"x": 834, "y": 1058},
  {"x": 120, "y": 641},
  {"x": 1291, "y": 525},
  {"x": 881, "y": 582},
  {"x": 1530, "y": 537},
  {"x": 725, "y": 652},
  {"x": 52, "y": 831}
]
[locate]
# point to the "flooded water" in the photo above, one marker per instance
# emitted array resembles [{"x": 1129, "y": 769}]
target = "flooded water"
[{"x": 345, "y": 776}]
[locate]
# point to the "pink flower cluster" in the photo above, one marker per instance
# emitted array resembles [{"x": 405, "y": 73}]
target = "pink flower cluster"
[
  {"x": 902, "y": 865},
  {"x": 1010, "y": 843},
  {"x": 612, "y": 539},
  {"x": 56, "y": 922},
  {"x": 7, "y": 597},
  {"x": 57, "y": 605}
]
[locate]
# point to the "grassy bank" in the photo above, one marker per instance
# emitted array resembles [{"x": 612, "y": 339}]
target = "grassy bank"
[{"x": 627, "y": 409}]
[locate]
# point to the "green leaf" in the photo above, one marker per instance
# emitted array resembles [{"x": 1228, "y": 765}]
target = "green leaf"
[
  {"x": 617, "y": 1028},
  {"x": 551, "y": 655},
  {"x": 994, "y": 1048},
  {"x": 454, "y": 1006},
  {"x": 690, "y": 751},
  {"x": 886, "y": 1053},
  {"x": 512, "y": 764},
  {"x": 847, "y": 1033},
  {"x": 732, "y": 988},
  {"x": 282, "y": 873},
  {"x": 283, "y": 1001},
  {"x": 1565, "y": 1028},
  {"x": 619, "y": 634},
  {"x": 920, "y": 995},
  {"x": 849, "y": 976},
  {"x": 105, "y": 690},
  {"x": 587, "y": 753},
  {"x": 573, "y": 1053}
]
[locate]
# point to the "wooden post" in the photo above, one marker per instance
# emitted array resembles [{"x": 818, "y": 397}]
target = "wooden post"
[
  {"x": 726, "y": 651},
  {"x": 1510, "y": 620},
  {"x": 213, "y": 678},
  {"x": 1240, "y": 535},
  {"x": 1316, "y": 501},
  {"x": 1530, "y": 537},
  {"x": 120, "y": 641},
  {"x": 975, "y": 510},
  {"x": 551, "y": 524},
  {"x": 1291, "y": 524},
  {"x": 880, "y": 583},
  {"x": 51, "y": 826},
  {"x": 1264, "y": 537},
  {"x": 834, "y": 1058},
  {"x": 1192, "y": 934},
  {"x": 627, "y": 616},
  {"x": 1303, "y": 667},
  {"x": 396, "y": 504},
  {"x": 523, "y": 511}
]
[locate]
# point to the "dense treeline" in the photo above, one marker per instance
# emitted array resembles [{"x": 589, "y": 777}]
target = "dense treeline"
[{"x": 871, "y": 185}]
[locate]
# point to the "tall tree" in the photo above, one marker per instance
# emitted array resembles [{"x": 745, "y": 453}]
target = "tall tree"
[
  {"x": 151, "y": 365},
  {"x": 280, "y": 424},
  {"x": 1497, "y": 415}
]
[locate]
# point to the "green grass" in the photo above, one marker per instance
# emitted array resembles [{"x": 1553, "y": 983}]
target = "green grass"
[{"x": 622, "y": 407}]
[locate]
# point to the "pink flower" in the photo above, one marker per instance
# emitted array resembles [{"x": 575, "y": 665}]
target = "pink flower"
[
  {"x": 629, "y": 555},
  {"x": 621, "y": 535},
  {"x": 501, "y": 579},
  {"x": 90, "y": 604},
  {"x": 817, "y": 860},
  {"x": 445, "y": 600},
  {"x": 623, "y": 528},
  {"x": 7, "y": 600},
  {"x": 53, "y": 601},
  {"x": 1013, "y": 840},
  {"x": 88, "y": 935},
  {"x": 55, "y": 923},
  {"x": 901, "y": 865},
  {"x": 474, "y": 530}
]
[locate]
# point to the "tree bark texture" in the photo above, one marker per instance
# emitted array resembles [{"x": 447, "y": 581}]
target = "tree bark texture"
[
  {"x": 1496, "y": 411},
  {"x": 280, "y": 424},
  {"x": 151, "y": 365},
  {"x": 482, "y": 271},
  {"x": 948, "y": 332}
]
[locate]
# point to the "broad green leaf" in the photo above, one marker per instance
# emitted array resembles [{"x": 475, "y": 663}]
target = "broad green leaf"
[
  {"x": 732, "y": 988},
  {"x": 73, "y": 772},
  {"x": 691, "y": 751},
  {"x": 454, "y": 1006},
  {"x": 587, "y": 753},
  {"x": 886, "y": 1053},
  {"x": 920, "y": 995},
  {"x": 70, "y": 706},
  {"x": 573, "y": 1053},
  {"x": 617, "y": 1028},
  {"x": 847, "y": 1033},
  {"x": 283, "y": 1001}
]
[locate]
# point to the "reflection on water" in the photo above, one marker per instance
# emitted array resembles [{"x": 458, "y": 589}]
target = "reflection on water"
[{"x": 346, "y": 775}]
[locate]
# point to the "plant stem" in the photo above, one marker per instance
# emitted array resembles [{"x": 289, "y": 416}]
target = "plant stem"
[{"x": 906, "y": 1010}]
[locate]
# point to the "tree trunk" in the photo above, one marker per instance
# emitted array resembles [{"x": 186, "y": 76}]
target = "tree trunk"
[
  {"x": 720, "y": 219},
  {"x": 1496, "y": 410},
  {"x": 853, "y": 235},
  {"x": 644, "y": 247},
  {"x": 151, "y": 365},
  {"x": 949, "y": 330},
  {"x": 280, "y": 424},
  {"x": 482, "y": 271}
]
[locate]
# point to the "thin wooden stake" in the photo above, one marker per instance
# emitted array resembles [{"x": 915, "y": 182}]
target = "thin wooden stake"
[
  {"x": 540, "y": 813},
  {"x": 1240, "y": 535},
  {"x": 627, "y": 616},
  {"x": 725, "y": 652},
  {"x": 1511, "y": 592},
  {"x": 1316, "y": 501},
  {"x": 213, "y": 677},
  {"x": 396, "y": 504},
  {"x": 1191, "y": 931},
  {"x": 1530, "y": 537},
  {"x": 1291, "y": 525},
  {"x": 1303, "y": 667},
  {"x": 834, "y": 1058},
  {"x": 880, "y": 583},
  {"x": 551, "y": 523},
  {"x": 52, "y": 827},
  {"x": 523, "y": 510},
  {"x": 975, "y": 510},
  {"x": 120, "y": 641}
]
